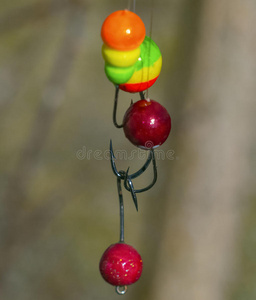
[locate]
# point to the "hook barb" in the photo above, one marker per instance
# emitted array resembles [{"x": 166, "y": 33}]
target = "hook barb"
[
  {"x": 113, "y": 165},
  {"x": 128, "y": 181}
]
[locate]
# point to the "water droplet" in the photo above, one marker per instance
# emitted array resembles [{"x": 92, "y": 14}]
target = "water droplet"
[{"x": 121, "y": 290}]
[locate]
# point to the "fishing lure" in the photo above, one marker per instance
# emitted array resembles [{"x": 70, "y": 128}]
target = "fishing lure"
[
  {"x": 133, "y": 63},
  {"x": 132, "y": 60}
]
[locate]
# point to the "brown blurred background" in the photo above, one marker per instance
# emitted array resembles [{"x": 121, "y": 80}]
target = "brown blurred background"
[{"x": 196, "y": 228}]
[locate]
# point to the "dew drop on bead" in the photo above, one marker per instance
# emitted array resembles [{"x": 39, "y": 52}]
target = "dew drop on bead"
[{"x": 121, "y": 290}]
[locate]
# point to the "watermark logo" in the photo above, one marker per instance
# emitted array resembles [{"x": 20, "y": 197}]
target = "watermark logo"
[{"x": 87, "y": 154}]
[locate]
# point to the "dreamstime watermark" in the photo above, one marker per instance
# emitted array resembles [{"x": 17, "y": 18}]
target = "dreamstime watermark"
[{"x": 88, "y": 154}]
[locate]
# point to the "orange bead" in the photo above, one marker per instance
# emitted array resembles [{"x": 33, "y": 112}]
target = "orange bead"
[{"x": 123, "y": 30}]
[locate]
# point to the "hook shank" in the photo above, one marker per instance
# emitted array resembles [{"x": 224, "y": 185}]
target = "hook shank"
[
  {"x": 115, "y": 108},
  {"x": 121, "y": 203}
]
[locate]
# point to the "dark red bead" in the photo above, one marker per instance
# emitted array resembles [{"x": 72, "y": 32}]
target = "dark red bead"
[
  {"x": 147, "y": 124},
  {"x": 121, "y": 265}
]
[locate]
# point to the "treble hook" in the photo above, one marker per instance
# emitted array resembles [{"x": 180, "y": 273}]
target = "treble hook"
[
  {"x": 128, "y": 184},
  {"x": 115, "y": 106}
]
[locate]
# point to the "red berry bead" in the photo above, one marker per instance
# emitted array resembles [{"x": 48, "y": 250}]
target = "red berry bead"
[
  {"x": 147, "y": 124},
  {"x": 121, "y": 265}
]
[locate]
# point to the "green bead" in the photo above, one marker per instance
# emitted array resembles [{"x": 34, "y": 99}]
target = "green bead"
[{"x": 119, "y": 75}]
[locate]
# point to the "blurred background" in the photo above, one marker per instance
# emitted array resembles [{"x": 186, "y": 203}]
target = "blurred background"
[{"x": 196, "y": 228}]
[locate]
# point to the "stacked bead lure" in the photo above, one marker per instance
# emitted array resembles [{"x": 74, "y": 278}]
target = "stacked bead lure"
[
  {"x": 132, "y": 63},
  {"x": 132, "y": 60}
]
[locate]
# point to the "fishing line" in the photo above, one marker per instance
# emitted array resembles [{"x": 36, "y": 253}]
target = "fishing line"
[
  {"x": 150, "y": 35},
  {"x": 131, "y": 5}
]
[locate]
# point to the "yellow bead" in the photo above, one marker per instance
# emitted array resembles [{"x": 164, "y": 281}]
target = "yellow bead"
[{"x": 120, "y": 58}]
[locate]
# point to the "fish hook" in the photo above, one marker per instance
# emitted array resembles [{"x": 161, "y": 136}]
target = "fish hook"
[
  {"x": 115, "y": 106},
  {"x": 127, "y": 178}
]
